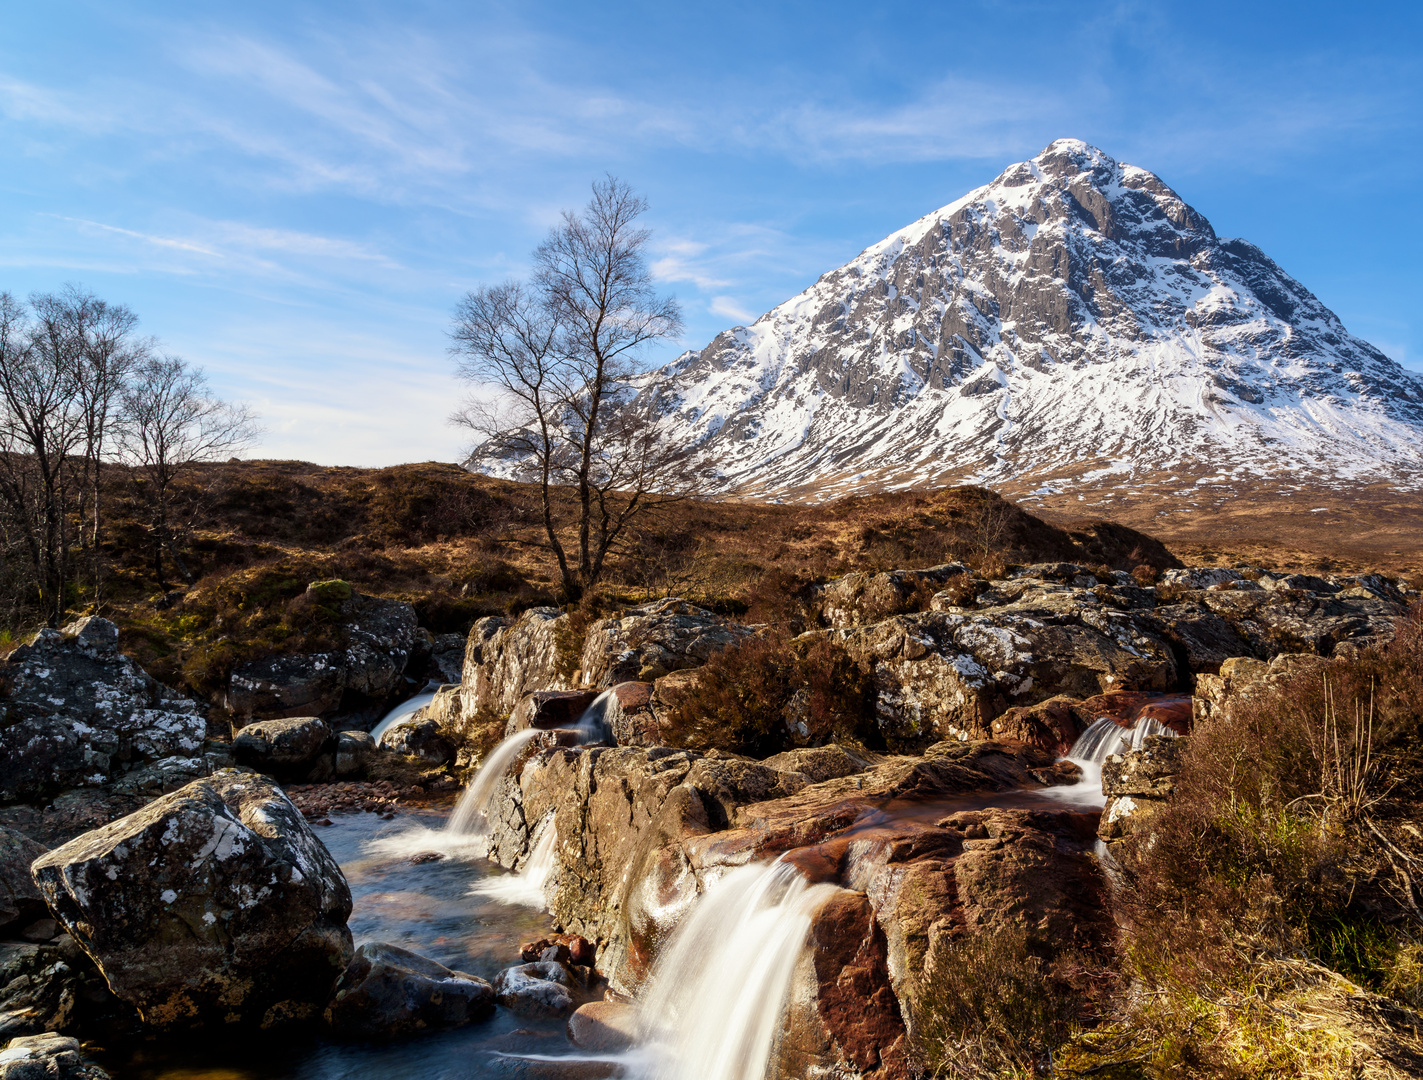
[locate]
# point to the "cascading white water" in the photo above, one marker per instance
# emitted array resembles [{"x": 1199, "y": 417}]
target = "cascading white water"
[
  {"x": 1103, "y": 738},
  {"x": 531, "y": 878},
  {"x": 400, "y": 713},
  {"x": 471, "y": 816},
  {"x": 718, "y": 990}
]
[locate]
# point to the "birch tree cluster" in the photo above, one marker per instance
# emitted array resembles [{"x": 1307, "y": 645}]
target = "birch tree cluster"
[{"x": 81, "y": 391}]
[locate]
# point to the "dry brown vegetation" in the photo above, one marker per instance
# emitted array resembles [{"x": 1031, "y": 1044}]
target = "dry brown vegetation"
[{"x": 460, "y": 546}]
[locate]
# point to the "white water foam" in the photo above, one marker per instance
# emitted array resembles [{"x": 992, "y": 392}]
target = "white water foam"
[
  {"x": 529, "y": 883},
  {"x": 1103, "y": 738},
  {"x": 718, "y": 990}
]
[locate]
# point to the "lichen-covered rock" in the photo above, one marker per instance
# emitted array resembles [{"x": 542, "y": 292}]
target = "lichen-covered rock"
[
  {"x": 944, "y": 674},
  {"x": 20, "y": 900},
  {"x": 389, "y": 992},
  {"x": 216, "y": 904},
  {"x": 78, "y": 713},
  {"x": 861, "y": 598},
  {"x": 284, "y": 748},
  {"x": 1138, "y": 784},
  {"x": 419, "y": 738},
  {"x": 819, "y": 763},
  {"x": 505, "y": 661},
  {"x": 48, "y": 1056},
  {"x": 647, "y": 642},
  {"x": 40, "y": 984},
  {"x": 379, "y": 635},
  {"x": 537, "y": 989}
]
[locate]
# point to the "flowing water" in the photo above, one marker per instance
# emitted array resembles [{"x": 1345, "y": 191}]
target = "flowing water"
[
  {"x": 427, "y": 908},
  {"x": 716, "y": 997},
  {"x": 718, "y": 990},
  {"x": 402, "y": 712}
]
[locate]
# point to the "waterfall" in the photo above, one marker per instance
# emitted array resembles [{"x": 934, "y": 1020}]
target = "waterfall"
[
  {"x": 471, "y": 816},
  {"x": 404, "y": 711},
  {"x": 527, "y": 885},
  {"x": 1105, "y": 737},
  {"x": 718, "y": 990}
]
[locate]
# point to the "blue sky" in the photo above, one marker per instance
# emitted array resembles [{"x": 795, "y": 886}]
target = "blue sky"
[{"x": 294, "y": 195}]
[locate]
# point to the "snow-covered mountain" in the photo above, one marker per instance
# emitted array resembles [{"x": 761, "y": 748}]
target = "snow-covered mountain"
[{"x": 1072, "y": 320}]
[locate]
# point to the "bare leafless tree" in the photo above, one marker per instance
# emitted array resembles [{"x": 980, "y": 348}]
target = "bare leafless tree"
[
  {"x": 168, "y": 422},
  {"x": 573, "y": 409},
  {"x": 41, "y": 428}
]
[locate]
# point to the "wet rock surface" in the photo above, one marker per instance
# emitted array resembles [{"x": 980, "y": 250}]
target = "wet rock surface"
[
  {"x": 213, "y": 905},
  {"x": 388, "y": 992},
  {"x": 536, "y": 989},
  {"x": 603, "y": 1027}
]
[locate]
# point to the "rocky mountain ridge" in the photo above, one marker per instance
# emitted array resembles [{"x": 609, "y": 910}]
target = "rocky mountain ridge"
[{"x": 1073, "y": 319}]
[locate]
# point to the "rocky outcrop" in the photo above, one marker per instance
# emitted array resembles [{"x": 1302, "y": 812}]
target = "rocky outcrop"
[
  {"x": 213, "y": 905},
  {"x": 75, "y": 713},
  {"x": 546, "y": 709},
  {"x": 1242, "y": 677},
  {"x": 505, "y": 660},
  {"x": 422, "y": 739},
  {"x": 1138, "y": 784},
  {"x": 49, "y": 1056},
  {"x": 389, "y": 992},
  {"x": 947, "y": 674},
  {"x": 861, "y": 598},
  {"x": 647, "y": 642},
  {"x": 378, "y": 636},
  {"x": 640, "y": 833}
]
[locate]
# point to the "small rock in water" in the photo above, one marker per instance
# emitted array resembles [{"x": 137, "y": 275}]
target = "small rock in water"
[
  {"x": 425, "y": 857},
  {"x": 581, "y": 951},
  {"x": 603, "y": 1027},
  {"x": 535, "y": 990},
  {"x": 558, "y": 953}
]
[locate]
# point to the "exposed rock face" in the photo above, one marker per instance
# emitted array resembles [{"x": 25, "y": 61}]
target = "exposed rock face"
[
  {"x": 1242, "y": 677},
  {"x": 389, "y": 992},
  {"x": 505, "y": 661},
  {"x": 213, "y": 905},
  {"x": 78, "y": 713},
  {"x": 1138, "y": 784},
  {"x": 647, "y": 642},
  {"x": 379, "y": 635},
  {"x": 1072, "y": 314},
  {"x": 632, "y": 716},
  {"x": 857, "y": 599},
  {"x": 283, "y": 748},
  {"x": 49, "y": 1056},
  {"x": 20, "y": 901},
  {"x": 547, "y": 709},
  {"x": 40, "y": 986},
  {"x": 942, "y": 674},
  {"x": 641, "y": 832}
]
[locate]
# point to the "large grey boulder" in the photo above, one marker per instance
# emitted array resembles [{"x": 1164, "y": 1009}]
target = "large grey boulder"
[
  {"x": 505, "y": 661},
  {"x": 389, "y": 992},
  {"x": 215, "y": 904},
  {"x": 75, "y": 712},
  {"x": 378, "y": 637},
  {"x": 647, "y": 642},
  {"x": 284, "y": 748}
]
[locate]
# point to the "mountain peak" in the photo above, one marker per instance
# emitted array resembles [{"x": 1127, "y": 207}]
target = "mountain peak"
[{"x": 1074, "y": 322}]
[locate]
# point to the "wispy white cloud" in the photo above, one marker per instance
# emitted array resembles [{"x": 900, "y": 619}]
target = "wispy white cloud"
[{"x": 728, "y": 308}]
